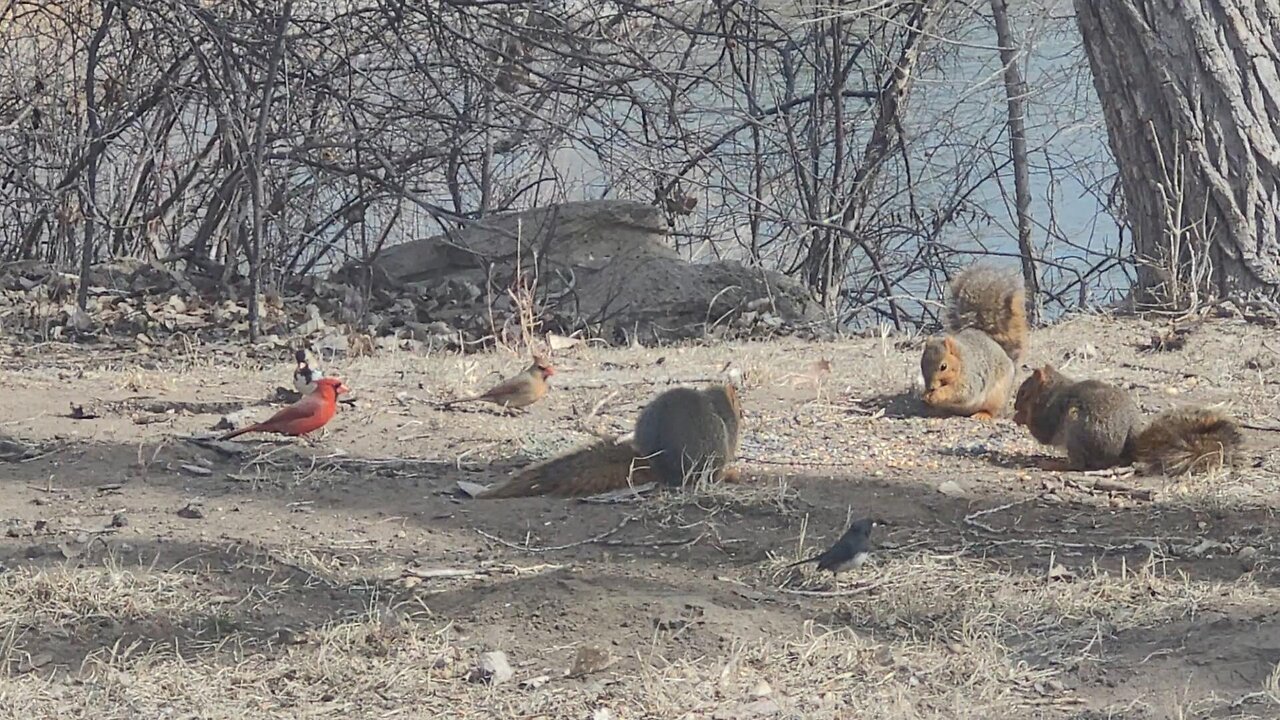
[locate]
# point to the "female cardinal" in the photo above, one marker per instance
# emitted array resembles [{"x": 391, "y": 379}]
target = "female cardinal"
[
  {"x": 308, "y": 414},
  {"x": 520, "y": 391}
]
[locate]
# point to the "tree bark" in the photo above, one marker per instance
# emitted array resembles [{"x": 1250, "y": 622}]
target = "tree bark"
[
  {"x": 1015, "y": 91},
  {"x": 256, "y": 187},
  {"x": 89, "y": 198},
  {"x": 1190, "y": 91}
]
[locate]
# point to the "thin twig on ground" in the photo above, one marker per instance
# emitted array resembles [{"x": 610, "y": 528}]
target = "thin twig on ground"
[
  {"x": 972, "y": 518},
  {"x": 443, "y": 573},
  {"x": 529, "y": 548}
]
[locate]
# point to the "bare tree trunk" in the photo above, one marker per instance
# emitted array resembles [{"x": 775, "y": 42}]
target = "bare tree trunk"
[
  {"x": 1191, "y": 95},
  {"x": 885, "y": 139},
  {"x": 1015, "y": 91},
  {"x": 89, "y": 199},
  {"x": 256, "y": 188}
]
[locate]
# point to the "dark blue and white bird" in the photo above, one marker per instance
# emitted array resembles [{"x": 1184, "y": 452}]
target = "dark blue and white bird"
[
  {"x": 305, "y": 375},
  {"x": 849, "y": 552}
]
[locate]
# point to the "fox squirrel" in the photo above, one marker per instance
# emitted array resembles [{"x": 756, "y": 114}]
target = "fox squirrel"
[
  {"x": 969, "y": 371},
  {"x": 1100, "y": 426},
  {"x": 679, "y": 434}
]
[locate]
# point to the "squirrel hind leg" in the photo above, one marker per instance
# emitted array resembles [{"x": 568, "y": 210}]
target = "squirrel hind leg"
[
  {"x": 1089, "y": 462},
  {"x": 996, "y": 398},
  {"x": 1084, "y": 456},
  {"x": 992, "y": 406},
  {"x": 667, "y": 468}
]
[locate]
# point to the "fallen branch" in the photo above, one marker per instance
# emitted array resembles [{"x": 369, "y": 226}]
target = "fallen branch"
[
  {"x": 796, "y": 463},
  {"x": 972, "y": 518},
  {"x": 1113, "y": 472},
  {"x": 434, "y": 573},
  {"x": 438, "y": 573},
  {"x": 625, "y": 495},
  {"x": 527, "y": 548},
  {"x": 1108, "y": 485},
  {"x": 654, "y": 543},
  {"x": 858, "y": 590},
  {"x": 595, "y": 410}
]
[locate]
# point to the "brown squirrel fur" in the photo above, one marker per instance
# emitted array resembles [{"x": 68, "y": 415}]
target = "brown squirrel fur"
[
  {"x": 969, "y": 371},
  {"x": 1100, "y": 426},
  {"x": 1188, "y": 440},
  {"x": 680, "y": 434},
  {"x": 591, "y": 470}
]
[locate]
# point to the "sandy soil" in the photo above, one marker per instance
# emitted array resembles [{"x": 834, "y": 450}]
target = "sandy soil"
[{"x": 147, "y": 576}]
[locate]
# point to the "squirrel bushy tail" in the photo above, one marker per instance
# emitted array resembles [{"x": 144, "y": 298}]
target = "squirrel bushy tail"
[
  {"x": 597, "y": 468},
  {"x": 992, "y": 300},
  {"x": 1187, "y": 440}
]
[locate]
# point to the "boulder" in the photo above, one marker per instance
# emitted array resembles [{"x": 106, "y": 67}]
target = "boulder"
[{"x": 604, "y": 266}]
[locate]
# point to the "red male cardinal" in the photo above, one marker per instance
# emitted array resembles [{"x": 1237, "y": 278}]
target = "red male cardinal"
[{"x": 308, "y": 414}]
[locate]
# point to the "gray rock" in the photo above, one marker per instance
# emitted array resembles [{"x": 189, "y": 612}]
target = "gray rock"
[
  {"x": 605, "y": 265},
  {"x": 493, "y": 669}
]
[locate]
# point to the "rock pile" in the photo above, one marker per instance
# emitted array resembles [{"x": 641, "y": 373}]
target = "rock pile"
[{"x": 598, "y": 269}]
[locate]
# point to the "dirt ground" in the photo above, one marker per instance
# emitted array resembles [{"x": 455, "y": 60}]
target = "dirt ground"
[{"x": 148, "y": 576}]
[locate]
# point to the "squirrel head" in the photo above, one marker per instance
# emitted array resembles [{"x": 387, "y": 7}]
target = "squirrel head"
[
  {"x": 940, "y": 365},
  {"x": 1031, "y": 390},
  {"x": 725, "y": 399},
  {"x": 731, "y": 393}
]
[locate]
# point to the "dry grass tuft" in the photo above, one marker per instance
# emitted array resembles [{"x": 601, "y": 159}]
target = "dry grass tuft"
[
  {"x": 954, "y": 599},
  {"x": 348, "y": 579},
  {"x": 45, "y": 598},
  {"x": 932, "y": 637}
]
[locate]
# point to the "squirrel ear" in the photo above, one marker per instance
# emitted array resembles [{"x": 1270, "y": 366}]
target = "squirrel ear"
[{"x": 950, "y": 344}]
